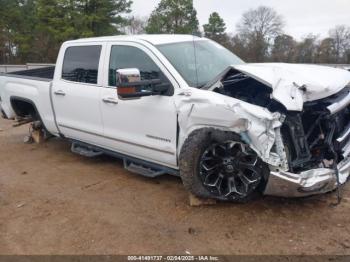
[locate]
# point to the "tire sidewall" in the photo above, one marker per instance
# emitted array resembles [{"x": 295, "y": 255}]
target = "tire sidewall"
[{"x": 193, "y": 149}]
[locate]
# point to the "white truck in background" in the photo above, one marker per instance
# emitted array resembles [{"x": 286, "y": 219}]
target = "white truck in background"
[{"x": 184, "y": 105}]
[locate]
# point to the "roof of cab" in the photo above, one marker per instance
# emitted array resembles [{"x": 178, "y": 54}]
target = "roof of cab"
[{"x": 153, "y": 39}]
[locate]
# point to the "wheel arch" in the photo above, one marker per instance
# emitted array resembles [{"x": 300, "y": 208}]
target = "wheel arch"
[
  {"x": 24, "y": 107},
  {"x": 184, "y": 134}
]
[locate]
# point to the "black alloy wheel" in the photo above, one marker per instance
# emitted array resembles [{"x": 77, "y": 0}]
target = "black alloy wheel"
[{"x": 230, "y": 170}]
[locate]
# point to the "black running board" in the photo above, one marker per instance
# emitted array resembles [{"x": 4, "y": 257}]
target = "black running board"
[
  {"x": 85, "y": 150},
  {"x": 142, "y": 169},
  {"x": 131, "y": 164}
]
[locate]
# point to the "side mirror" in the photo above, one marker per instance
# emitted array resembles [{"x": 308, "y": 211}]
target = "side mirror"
[{"x": 130, "y": 85}]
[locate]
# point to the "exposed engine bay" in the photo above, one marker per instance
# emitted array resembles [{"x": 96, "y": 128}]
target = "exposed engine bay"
[
  {"x": 316, "y": 137},
  {"x": 239, "y": 85}
]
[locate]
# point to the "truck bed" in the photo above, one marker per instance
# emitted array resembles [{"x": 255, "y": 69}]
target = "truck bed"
[
  {"x": 44, "y": 74},
  {"x": 29, "y": 87}
]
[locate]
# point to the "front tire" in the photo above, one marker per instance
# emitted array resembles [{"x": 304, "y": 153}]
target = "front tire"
[{"x": 219, "y": 165}]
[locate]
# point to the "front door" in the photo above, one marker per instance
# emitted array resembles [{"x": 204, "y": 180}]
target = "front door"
[{"x": 145, "y": 127}]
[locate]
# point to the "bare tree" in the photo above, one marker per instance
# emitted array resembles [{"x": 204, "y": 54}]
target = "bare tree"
[
  {"x": 307, "y": 49},
  {"x": 341, "y": 36},
  {"x": 326, "y": 52},
  {"x": 284, "y": 49},
  {"x": 258, "y": 27},
  {"x": 238, "y": 46},
  {"x": 136, "y": 25}
]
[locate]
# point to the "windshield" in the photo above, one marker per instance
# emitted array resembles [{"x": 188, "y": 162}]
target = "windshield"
[{"x": 199, "y": 61}]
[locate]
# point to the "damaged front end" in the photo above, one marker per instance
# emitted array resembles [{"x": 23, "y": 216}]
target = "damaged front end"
[
  {"x": 311, "y": 150},
  {"x": 317, "y": 144}
]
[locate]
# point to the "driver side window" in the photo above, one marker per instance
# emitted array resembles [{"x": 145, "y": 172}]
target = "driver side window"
[{"x": 131, "y": 57}]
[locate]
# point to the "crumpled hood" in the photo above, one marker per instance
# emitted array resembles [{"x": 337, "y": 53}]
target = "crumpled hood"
[{"x": 294, "y": 84}]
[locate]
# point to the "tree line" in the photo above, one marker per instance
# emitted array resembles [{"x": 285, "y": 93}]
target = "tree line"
[{"x": 33, "y": 30}]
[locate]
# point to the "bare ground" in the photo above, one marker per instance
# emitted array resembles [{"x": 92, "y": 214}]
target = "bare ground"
[{"x": 55, "y": 202}]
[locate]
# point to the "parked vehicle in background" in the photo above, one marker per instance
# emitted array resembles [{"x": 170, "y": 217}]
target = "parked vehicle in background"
[{"x": 187, "y": 106}]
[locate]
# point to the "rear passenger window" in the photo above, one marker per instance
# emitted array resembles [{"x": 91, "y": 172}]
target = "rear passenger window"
[
  {"x": 80, "y": 64},
  {"x": 131, "y": 57}
]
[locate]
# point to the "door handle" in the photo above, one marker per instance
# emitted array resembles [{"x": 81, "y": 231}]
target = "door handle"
[
  {"x": 110, "y": 100},
  {"x": 59, "y": 93}
]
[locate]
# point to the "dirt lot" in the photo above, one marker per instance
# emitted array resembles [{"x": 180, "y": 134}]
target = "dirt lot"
[{"x": 55, "y": 202}]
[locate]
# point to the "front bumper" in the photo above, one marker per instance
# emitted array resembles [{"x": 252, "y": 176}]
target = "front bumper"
[{"x": 311, "y": 182}]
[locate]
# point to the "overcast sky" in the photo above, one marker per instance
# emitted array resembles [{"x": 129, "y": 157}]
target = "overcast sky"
[{"x": 301, "y": 16}]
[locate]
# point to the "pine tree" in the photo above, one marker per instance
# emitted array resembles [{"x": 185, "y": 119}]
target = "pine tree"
[
  {"x": 62, "y": 20},
  {"x": 216, "y": 29},
  {"x": 173, "y": 17},
  {"x": 102, "y": 17},
  {"x": 11, "y": 21}
]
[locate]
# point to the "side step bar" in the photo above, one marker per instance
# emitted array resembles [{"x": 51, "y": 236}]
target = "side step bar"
[
  {"x": 85, "y": 150},
  {"x": 142, "y": 169},
  {"x": 131, "y": 164}
]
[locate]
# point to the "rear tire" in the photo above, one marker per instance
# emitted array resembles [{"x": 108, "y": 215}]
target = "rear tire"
[{"x": 219, "y": 165}]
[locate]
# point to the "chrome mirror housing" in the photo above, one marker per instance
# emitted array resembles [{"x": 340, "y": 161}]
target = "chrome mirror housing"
[{"x": 128, "y": 75}]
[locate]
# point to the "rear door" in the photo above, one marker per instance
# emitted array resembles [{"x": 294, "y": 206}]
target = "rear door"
[
  {"x": 76, "y": 93},
  {"x": 145, "y": 127}
]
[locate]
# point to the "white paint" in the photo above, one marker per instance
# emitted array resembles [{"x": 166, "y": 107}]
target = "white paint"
[
  {"x": 285, "y": 80},
  {"x": 146, "y": 128}
]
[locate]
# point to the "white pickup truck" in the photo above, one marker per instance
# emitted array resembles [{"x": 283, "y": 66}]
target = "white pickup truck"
[{"x": 184, "y": 105}]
